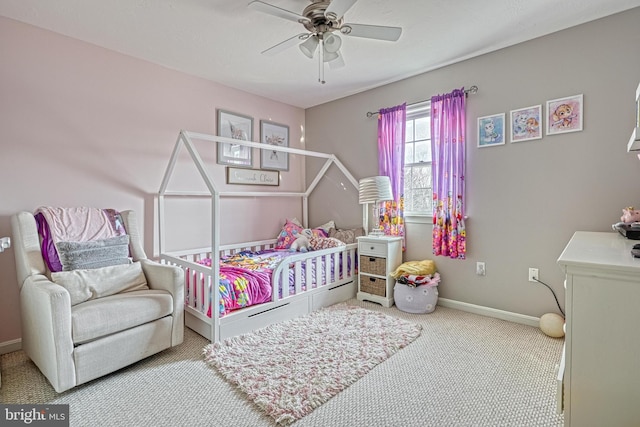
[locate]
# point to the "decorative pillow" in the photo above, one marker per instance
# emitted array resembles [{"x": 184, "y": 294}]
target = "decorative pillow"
[
  {"x": 327, "y": 227},
  {"x": 318, "y": 243},
  {"x": 94, "y": 254},
  {"x": 348, "y": 235},
  {"x": 84, "y": 285},
  {"x": 288, "y": 234},
  {"x": 291, "y": 231}
]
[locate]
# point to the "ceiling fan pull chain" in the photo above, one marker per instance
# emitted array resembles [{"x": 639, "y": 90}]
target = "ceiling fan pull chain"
[{"x": 321, "y": 61}]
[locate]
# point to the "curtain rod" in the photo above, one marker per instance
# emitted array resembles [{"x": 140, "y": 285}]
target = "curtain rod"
[{"x": 472, "y": 90}]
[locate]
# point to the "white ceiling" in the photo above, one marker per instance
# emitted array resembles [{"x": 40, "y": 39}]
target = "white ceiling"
[{"x": 221, "y": 40}]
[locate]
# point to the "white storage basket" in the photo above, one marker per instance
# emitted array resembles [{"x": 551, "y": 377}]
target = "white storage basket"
[{"x": 419, "y": 300}]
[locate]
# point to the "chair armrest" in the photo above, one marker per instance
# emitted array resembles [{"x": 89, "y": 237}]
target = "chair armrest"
[
  {"x": 46, "y": 330},
  {"x": 171, "y": 279},
  {"x": 165, "y": 277}
]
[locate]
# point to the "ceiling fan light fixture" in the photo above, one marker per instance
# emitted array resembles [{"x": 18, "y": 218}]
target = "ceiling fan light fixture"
[
  {"x": 309, "y": 46},
  {"x": 332, "y": 43},
  {"x": 330, "y": 56}
]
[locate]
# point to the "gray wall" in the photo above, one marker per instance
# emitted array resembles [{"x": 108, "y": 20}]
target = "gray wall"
[{"x": 524, "y": 200}]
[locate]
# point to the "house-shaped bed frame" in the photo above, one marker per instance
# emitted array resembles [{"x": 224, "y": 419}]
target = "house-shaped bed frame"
[{"x": 330, "y": 285}]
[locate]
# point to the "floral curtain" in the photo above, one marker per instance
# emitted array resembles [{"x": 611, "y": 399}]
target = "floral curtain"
[
  {"x": 448, "y": 173},
  {"x": 391, "y": 129}
]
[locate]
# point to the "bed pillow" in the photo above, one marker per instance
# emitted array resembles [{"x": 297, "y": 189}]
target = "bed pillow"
[
  {"x": 84, "y": 285},
  {"x": 291, "y": 231},
  {"x": 288, "y": 234},
  {"x": 296, "y": 221},
  {"x": 94, "y": 253},
  {"x": 326, "y": 227},
  {"x": 318, "y": 243},
  {"x": 347, "y": 235}
]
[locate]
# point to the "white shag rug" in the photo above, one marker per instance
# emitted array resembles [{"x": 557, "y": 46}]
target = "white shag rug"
[{"x": 290, "y": 368}]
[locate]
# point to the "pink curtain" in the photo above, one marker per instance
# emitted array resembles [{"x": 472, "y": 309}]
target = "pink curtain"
[
  {"x": 448, "y": 173},
  {"x": 391, "y": 130}
]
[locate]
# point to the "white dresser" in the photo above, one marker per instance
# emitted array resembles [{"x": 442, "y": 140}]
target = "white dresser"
[
  {"x": 378, "y": 258},
  {"x": 601, "y": 376}
]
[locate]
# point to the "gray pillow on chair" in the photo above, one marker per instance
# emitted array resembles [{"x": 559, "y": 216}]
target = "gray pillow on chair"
[{"x": 94, "y": 254}]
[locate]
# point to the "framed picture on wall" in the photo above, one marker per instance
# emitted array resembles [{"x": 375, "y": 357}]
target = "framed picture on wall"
[
  {"x": 491, "y": 130},
  {"x": 526, "y": 123},
  {"x": 274, "y": 134},
  {"x": 236, "y": 126},
  {"x": 564, "y": 115}
]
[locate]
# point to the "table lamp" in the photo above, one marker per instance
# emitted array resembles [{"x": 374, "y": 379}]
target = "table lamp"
[{"x": 374, "y": 189}]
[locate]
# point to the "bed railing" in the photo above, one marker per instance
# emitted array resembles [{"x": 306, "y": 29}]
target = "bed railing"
[{"x": 331, "y": 266}]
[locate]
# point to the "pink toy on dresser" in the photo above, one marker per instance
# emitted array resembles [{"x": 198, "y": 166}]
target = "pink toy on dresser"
[{"x": 630, "y": 214}]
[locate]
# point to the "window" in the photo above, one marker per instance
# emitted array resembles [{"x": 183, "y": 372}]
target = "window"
[{"x": 417, "y": 160}]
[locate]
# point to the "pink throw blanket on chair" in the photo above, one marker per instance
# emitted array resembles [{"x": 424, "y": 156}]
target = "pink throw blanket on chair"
[{"x": 78, "y": 224}]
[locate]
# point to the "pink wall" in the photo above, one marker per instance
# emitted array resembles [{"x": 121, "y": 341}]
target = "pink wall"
[{"x": 85, "y": 126}]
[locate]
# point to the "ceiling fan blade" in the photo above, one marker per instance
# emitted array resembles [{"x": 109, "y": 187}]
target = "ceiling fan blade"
[
  {"x": 337, "y": 8},
  {"x": 277, "y": 11},
  {"x": 337, "y": 63},
  {"x": 377, "y": 32},
  {"x": 290, "y": 42}
]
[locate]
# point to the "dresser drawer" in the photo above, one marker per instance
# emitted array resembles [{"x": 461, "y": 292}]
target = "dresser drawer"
[
  {"x": 560, "y": 384},
  {"x": 373, "y": 248},
  {"x": 373, "y": 265}
]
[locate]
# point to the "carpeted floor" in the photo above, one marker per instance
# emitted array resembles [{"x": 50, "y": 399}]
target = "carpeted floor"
[{"x": 463, "y": 370}]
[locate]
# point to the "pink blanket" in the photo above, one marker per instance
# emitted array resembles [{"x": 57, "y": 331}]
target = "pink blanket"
[
  {"x": 74, "y": 225},
  {"x": 81, "y": 224}
]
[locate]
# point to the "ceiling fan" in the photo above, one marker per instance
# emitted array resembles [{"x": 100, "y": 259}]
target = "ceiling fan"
[{"x": 324, "y": 22}]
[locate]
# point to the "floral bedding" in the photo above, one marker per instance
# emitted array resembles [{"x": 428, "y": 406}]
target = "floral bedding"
[{"x": 245, "y": 278}]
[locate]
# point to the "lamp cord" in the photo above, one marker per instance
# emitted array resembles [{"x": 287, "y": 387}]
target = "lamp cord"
[{"x": 554, "y": 295}]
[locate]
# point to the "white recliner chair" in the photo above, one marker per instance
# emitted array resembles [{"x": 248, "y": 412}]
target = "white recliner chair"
[{"x": 73, "y": 341}]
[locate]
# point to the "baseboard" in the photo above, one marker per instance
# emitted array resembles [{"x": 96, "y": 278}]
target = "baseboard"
[
  {"x": 10, "y": 346},
  {"x": 490, "y": 312}
]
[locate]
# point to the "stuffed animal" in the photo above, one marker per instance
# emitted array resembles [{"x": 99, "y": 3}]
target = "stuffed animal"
[
  {"x": 302, "y": 242},
  {"x": 630, "y": 215}
]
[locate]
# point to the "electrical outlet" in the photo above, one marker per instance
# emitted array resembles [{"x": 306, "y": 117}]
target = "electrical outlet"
[
  {"x": 533, "y": 274},
  {"x": 5, "y": 243},
  {"x": 480, "y": 271}
]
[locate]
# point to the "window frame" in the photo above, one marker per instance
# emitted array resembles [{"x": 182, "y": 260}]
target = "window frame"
[{"x": 417, "y": 111}]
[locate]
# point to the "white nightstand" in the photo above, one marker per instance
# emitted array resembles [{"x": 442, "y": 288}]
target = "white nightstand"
[{"x": 378, "y": 258}]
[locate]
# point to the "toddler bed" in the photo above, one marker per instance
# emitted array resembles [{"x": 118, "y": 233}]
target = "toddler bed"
[
  {"x": 257, "y": 284},
  {"x": 287, "y": 285}
]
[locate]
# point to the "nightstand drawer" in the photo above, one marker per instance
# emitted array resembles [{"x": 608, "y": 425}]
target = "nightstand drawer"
[
  {"x": 373, "y": 285},
  {"x": 373, "y": 248},
  {"x": 373, "y": 265}
]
